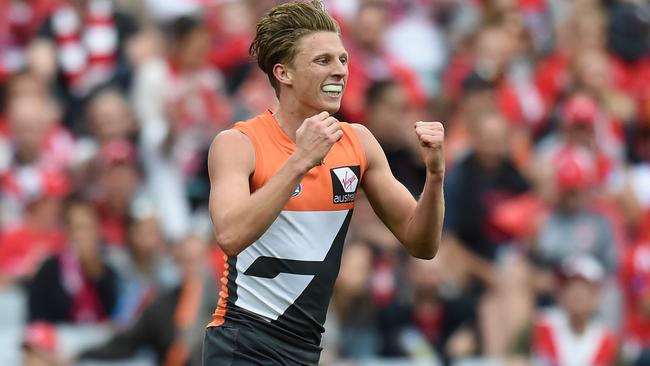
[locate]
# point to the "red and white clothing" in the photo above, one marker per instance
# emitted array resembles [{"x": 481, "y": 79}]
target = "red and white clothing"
[
  {"x": 87, "y": 51},
  {"x": 189, "y": 105},
  {"x": 23, "y": 249},
  {"x": 635, "y": 278},
  {"x": 20, "y": 22},
  {"x": 555, "y": 343}
]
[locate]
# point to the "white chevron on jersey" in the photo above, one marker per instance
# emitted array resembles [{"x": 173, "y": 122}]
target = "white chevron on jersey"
[{"x": 296, "y": 235}]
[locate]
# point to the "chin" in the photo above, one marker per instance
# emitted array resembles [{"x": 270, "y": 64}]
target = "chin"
[
  {"x": 332, "y": 110},
  {"x": 331, "y": 107}
]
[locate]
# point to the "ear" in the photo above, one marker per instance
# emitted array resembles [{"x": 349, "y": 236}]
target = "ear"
[{"x": 283, "y": 74}]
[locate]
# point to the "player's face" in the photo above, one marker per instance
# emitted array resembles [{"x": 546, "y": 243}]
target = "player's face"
[{"x": 320, "y": 71}]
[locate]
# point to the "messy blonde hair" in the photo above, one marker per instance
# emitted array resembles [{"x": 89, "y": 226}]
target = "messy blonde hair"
[{"x": 278, "y": 32}]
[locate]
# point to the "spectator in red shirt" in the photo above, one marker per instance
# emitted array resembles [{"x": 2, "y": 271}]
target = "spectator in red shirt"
[
  {"x": 369, "y": 62},
  {"x": 34, "y": 144},
  {"x": 570, "y": 334},
  {"x": 20, "y": 22},
  {"x": 25, "y": 245},
  {"x": 585, "y": 125},
  {"x": 82, "y": 47},
  {"x": 75, "y": 286},
  {"x": 635, "y": 277},
  {"x": 118, "y": 180},
  {"x": 232, "y": 26}
]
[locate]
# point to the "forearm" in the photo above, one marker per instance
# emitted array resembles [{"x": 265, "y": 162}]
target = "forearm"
[
  {"x": 424, "y": 229},
  {"x": 243, "y": 223}
]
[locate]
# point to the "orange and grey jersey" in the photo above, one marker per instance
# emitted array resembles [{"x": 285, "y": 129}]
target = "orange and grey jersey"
[{"x": 282, "y": 283}]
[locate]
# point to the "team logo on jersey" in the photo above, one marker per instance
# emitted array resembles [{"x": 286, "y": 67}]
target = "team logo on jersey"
[
  {"x": 297, "y": 190},
  {"x": 345, "y": 181}
]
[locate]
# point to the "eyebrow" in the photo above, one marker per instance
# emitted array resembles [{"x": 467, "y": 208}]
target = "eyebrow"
[{"x": 326, "y": 54}]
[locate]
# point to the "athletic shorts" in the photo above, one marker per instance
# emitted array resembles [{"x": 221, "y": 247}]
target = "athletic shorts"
[{"x": 234, "y": 346}]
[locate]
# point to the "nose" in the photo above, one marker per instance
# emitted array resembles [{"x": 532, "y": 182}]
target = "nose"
[{"x": 340, "y": 69}]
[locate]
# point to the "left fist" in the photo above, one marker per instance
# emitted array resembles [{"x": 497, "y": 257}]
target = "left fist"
[{"x": 431, "y": 136}]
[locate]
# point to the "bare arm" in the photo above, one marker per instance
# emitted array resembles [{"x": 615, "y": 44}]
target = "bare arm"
[
  {"x": 239, "y": 217},
  {"x": 417, "y": 225}
]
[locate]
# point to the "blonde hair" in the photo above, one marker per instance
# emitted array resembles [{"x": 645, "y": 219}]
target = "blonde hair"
[{"x": 278, "y": 32}]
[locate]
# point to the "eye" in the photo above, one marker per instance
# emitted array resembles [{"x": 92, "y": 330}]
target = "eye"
[
  {"x": 322, "y": 61},
  {"x": 344, "y": 60}
]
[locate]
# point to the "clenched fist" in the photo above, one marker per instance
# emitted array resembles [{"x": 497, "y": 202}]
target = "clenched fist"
[
  {"x": 432, "y": 136},
  {"x": 316, "y": 136}
]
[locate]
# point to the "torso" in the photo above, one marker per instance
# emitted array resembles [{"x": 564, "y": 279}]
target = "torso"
[{"x": 282, "y": 283}]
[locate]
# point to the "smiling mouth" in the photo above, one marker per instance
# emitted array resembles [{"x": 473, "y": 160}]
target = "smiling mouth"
[{"x": 332, "y": 90}]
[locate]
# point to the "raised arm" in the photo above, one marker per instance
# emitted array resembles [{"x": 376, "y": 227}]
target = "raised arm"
[
  {"x": 239, "y": 217},
  {"x": 416, "y": 224}
]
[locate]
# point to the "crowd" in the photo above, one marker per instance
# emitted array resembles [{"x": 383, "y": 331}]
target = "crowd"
[{"x": 107, "y": 109}]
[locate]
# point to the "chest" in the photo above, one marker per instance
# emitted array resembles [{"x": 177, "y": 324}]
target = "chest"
[{"x": 330, "y": 186}]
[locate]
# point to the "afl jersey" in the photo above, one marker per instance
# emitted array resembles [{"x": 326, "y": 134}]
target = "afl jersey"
[{"x": 281, "y": 284}]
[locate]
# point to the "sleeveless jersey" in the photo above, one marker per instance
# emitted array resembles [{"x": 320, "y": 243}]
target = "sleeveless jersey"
[{"x": 282, "y": 283}]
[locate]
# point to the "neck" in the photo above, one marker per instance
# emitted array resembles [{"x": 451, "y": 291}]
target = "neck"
[
  {"x": 290, "y": 116},
  {"x": 26, "y": 156},
  {"x": 578, "y": 324}
]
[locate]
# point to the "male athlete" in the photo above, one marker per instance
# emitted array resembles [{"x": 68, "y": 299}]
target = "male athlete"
[{"x": 283, "y": 186}]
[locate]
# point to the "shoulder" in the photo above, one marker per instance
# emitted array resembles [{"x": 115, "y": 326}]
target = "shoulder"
[
  {"x": 366, "y": 138},
  {"x": 232, "y": 140},
  {"x": 233, "y": 148},
  {"x": 363, "y": 133},
  {"x": 243, "y": 136}
]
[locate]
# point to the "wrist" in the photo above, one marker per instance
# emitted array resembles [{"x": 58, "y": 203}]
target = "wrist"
[
  {"x": 301, "y": 165},
  {"x": 435, "y": 177}
]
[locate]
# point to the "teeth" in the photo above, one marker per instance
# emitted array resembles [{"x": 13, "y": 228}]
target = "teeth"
[{"x": 332, "y": 88}]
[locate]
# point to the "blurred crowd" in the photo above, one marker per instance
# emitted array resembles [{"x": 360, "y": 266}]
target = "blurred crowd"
[{"x": 107, "y": 109}]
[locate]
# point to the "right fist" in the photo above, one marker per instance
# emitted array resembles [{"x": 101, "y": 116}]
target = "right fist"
[{"x": 316, "y": 136}]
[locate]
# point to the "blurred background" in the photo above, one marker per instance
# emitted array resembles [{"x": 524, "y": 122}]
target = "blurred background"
[{"x": 107, "y": 109}]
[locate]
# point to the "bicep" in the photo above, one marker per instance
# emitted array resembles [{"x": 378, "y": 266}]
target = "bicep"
[
  {"x": 390, "y": 199},
  {"x": 231, "y": 161}
]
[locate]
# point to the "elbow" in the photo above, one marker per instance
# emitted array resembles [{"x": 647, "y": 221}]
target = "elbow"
[
  {"x": 228, "y": 243},
  {"x": 426, "y": 251},
  {"x": 428, "y": 255}
]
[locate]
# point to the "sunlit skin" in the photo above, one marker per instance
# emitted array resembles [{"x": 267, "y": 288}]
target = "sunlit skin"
[{"x": 321, "y": 60}]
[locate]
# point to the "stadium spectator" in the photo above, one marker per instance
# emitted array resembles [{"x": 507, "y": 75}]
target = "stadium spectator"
[
  {"x": 434, "y": 321},
  {"x": 82, "y": 45},
  {"x": 485, "y": 177},
  {"x": 144, "y": 266},
  {"x": 25, "y": 244},
  {"x": 352, "y": 314},
  {"x": 117, "y": 180},
  {"x": 75, "y": 285},
  {"x": 571, "y": 333},
  {"x": 172, "y": 326},
  {"x": 572, "y": 228},
  {"x": 387, "y": 107},
  {"x": 180, "y": 104},
  {"x": 371, "y": 62},
  {"x": 22, "y": 19},
  {"x": 34, "y": 143}
]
